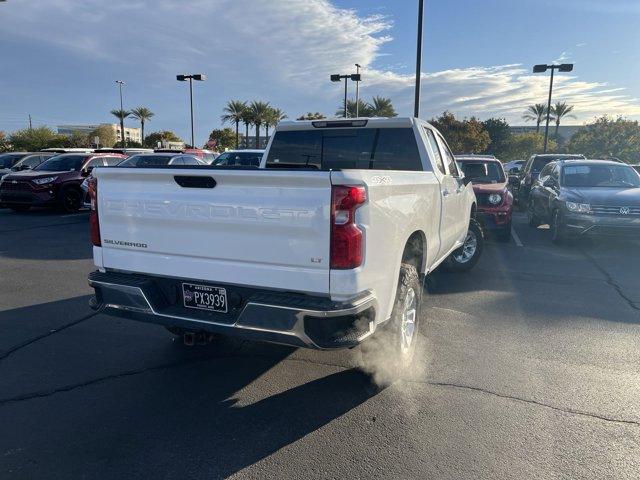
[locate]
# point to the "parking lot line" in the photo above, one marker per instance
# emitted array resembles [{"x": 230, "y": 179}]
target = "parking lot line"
[{"x": 516, "y": 238}]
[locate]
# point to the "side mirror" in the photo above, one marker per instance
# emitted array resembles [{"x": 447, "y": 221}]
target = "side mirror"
[
  {"x": 514, "y": 180},
  {"x": 87, "y": 171}
]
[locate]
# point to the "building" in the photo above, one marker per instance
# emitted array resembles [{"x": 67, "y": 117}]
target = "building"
[
  {"x": 565, "y": 131},
  {"x": 131, "y": 134}
]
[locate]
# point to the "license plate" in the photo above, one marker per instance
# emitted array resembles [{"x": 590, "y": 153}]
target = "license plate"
[{"x": 204, "y": 297}]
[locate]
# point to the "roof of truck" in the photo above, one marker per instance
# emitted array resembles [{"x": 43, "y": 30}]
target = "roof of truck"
[{"x": 366, "y": 122}]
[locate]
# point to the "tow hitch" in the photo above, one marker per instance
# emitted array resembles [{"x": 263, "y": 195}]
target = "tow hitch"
[{"x": 197, "y": 338}]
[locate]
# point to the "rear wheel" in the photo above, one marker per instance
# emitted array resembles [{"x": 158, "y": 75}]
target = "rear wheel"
[
  {"x": 465, "y": 257},
  {"x": 390, "y": 351},
  {"x": 20, "y": 208},
  {"x": 558, "y": 232}
]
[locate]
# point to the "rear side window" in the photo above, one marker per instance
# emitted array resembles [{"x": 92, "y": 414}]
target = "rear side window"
[
  {"x": 435, "y": 149},
  {"x": 111, "y": 161},
  {"x": 346, "y": 148}
]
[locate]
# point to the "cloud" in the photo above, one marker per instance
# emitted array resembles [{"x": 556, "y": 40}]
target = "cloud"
[{"x": 280, "y": 51}]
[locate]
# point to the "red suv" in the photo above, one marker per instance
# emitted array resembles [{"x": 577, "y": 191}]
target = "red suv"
[
  {"x": 54, "y": 183},
  {"x": 495, "y": 202}
]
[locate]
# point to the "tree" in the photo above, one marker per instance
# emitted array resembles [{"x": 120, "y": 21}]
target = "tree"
[
  {"x": 121, "y": 115},
  {"x": 364, "y": 109},
  {"x": 524, "y": 145},
  {"x": 143, "y": 114},
  {"x": 463, "y": 136},
  {"x": 311, "y": 116},
  {"x": 273, "y": 118},
  {"x": 223, "y": 139},
  {"x": 153, "y": 138},
  {"x": 4, "y": 142},
  {"x": 259, "y": 111},
  {"x": 500, "y": 135},
  {"x": 608, "y": 137},
  {"x": 559, "y": 111},
  {"x": 381, "y": 107},
  {"x": 536, "y": 113},
  {"x": 34, "y": 139},
  {"x": 106, "y": 134},
  {"x": 78, "y": 139},
  {"x": 247, "y": 119},
  {"x": 233, "y": 113}
]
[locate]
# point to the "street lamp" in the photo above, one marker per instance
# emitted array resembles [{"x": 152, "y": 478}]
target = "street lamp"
[
  {"x": 120, "y": 84},
  {"x": 183, "y": 78},
  {"x": 563, "y": 67},
  {"x": 355, "y": 77},
  {"x": 416, "y": 103},
  {"x": 358, "y": 67}
]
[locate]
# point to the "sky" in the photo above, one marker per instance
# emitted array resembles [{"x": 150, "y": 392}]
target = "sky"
[{"x": 60, "y": 58}]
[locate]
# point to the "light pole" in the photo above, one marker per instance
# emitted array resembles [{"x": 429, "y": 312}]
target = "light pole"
[
  {"x": 416, "y": 105},
  {"x": 355, "y": 77},
  {"x": 358, "y": 67},
  {"x": 183, "y": 78},
  {"x": 563, "y": 67},
  {"x": 120, "y": 84}
]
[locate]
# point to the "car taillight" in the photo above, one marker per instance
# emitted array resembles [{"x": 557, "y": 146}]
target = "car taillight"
[
  {"x": 346, "y": 237},
  {"x": 94, "y": 223}
]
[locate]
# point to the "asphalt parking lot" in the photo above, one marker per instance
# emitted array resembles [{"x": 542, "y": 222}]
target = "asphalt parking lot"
[{"x": 528, "y": 368}]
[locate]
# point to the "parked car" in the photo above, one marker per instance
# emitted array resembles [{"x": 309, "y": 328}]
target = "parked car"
[
  {"x": 529, "y": 174},
  {"x": 513, "y": 167},
  {"x": 578, "y": 198},
  {"x": 8, "y": 160},
  {"x": 124, "y": 151},
  {"x": 207, "y": 156},
  {"x": 54, "y": 183},
  {"x": 31, "y": 161},
  {"x": 67, "y": 150},
  {"x": 244, "y": 158},
  {"x": 351, "y": 214},
  {"x": 495, "y": 202},
  {"x": 154, "y": 160}
]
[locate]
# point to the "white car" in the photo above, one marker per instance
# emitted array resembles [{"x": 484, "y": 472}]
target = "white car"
[{"x": 321, "y": 247}]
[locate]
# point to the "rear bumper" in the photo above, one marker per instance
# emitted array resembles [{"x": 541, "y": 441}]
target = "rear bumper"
[
  {"x": 257, "y": 314},
  {"x": 594, "y": 225}
]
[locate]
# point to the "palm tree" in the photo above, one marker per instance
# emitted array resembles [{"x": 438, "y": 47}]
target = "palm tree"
[
  {"x": 259, "y": 111},
  {"x": 382, "y": 107},
  {"x": 364, "y": 109},
  {"x": 535, "y": 113},
  {"x": 121, "y": 115},
  {"x": 274, "y": 116},
  {"x": 311, "y": 116},
  {"x": 143, "y": 114},
  {"x": 233, "y": 113},
  {"x": 560, "y": 110},
  {"x": 247, "y": 119}
]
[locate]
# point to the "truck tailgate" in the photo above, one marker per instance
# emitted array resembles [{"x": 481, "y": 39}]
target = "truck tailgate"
[{"x": 264, "y": 228}]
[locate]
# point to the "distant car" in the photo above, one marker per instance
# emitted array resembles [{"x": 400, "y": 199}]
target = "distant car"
[
  {"x": 513, "y": 167},
  {"x": 67, "y": 150},
  {"x": 54, "y": 183},
  {"x": 160, "y": 159},
  {"x": 239, "y": 158},
  {"x": 207, "y": 156},
  {"x": 31, "y": 161},
  {"x": 124, "y": 151},
  {"x": 529, "y": 174},
  {"x": 588, "y": 197},
  {"x": 495, "y": 202},
  {"x": 9, "y": 160}
]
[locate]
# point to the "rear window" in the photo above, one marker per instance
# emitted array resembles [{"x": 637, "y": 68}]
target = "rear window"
[
  {"x": 8, "y": 160},
  {"x": 495, "y": 172},
  {"x": 345, "y": 148}
]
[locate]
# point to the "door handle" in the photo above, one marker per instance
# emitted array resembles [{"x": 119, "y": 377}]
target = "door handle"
[{"x": 445, "y": 193}]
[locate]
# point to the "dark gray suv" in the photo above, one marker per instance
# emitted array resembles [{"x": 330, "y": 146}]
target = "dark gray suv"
[{"x": 589, "y": 197}]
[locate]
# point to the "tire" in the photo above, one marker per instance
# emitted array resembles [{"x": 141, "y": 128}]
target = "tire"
[
  {"x": 465, "y": 258},
  {"x": 558, "y": 233},
  {"x": 70, "y": 200},
  {"x": 532, "y": 219},
  {"x": 390, "y": 351},
  {"x": 504, "y": 234},
  {"x": 19, "y": 208}
]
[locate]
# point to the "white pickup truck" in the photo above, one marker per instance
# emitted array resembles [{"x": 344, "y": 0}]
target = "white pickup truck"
[{"x": 323, "y": 244}]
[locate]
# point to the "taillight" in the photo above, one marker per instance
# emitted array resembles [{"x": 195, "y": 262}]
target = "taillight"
[
  {"x": 346, "y": 237},
  {"x": 94, "y": 223}
]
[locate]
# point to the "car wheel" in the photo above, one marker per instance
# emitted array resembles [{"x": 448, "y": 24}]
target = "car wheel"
[
  {"x": 558, "y": 234},
  {"x": 20, "y": 208},
  {"x": 70, "y": 200},
  {"x": 465, "y": 257},
  {"x": 504, "y": 235},
  {"x": 532, "y": 219},
  {"x": 390, "y": 351}
]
